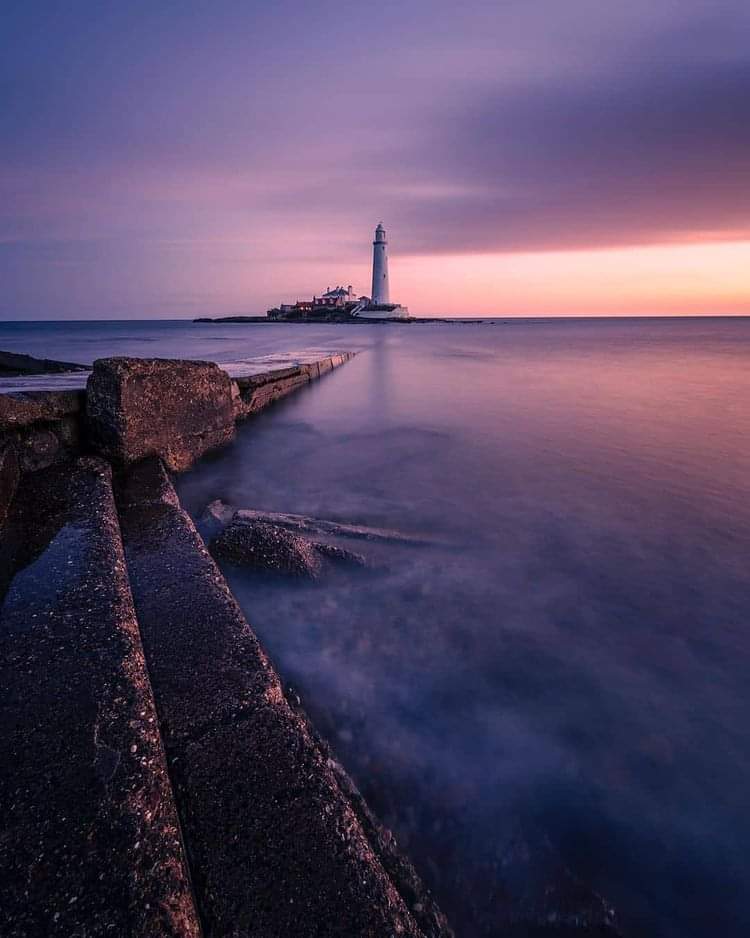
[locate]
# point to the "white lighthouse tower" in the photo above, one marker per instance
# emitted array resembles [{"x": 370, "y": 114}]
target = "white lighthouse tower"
[
  {"x": 380, "y": 306},
  {"x": 380, "y": 290}
]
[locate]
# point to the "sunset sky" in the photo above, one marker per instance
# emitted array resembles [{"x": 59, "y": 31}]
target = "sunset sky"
[{"x": 528, "y": 157}]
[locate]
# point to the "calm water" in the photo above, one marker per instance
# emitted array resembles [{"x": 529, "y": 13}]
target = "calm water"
[{"x": 566, "y": 666}]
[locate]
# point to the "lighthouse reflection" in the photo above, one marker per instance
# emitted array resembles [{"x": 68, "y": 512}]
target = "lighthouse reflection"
[{"x": 379, "y": 361}]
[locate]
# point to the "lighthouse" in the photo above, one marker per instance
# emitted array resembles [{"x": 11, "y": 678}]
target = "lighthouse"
[
  {"x": 380, "y": 305},
  {"x": 380, "y": 290},
  {"x": 342, "y": 302}
]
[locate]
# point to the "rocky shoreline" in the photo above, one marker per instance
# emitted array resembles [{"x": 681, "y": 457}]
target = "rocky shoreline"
[{"x": 13, "y": 365}]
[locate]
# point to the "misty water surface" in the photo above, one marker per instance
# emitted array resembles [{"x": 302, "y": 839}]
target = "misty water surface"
[{"x": 570, "y": 657}]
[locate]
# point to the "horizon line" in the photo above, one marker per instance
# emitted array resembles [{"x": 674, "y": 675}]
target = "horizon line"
[{"x": 436, "y": 317}]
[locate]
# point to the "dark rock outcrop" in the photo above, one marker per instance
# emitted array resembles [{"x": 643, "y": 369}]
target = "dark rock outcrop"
[
  {"x": 176, "y": 410},
  {"x": 91, "y": 843},
  {"x": 269, "y": 548},
  {"x": 277, "y": 844},
  {"x": 12, "y": 365}
]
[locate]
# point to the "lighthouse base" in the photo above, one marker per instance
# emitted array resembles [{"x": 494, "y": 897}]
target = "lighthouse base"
[{"x": 382, "y": 311}]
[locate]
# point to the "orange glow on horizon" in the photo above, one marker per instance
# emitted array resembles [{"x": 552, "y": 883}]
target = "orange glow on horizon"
[{"x": 663, "y": 279}]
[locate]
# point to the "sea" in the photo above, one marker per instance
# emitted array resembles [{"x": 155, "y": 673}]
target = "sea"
[{"x": 545, "y": 694}]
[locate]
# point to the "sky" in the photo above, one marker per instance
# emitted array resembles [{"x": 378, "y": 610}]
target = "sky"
[{"x": 528, "y": 157}]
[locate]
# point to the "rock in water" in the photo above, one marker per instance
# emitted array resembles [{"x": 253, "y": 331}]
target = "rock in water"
[{"x": 269, "y": 548}]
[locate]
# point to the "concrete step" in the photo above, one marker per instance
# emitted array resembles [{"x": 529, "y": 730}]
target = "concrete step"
[
  {"x": 277, "y": 845},
  {"x": 91, "y": 843}
]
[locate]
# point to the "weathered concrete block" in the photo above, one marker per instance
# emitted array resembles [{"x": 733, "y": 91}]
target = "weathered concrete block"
[
  {"x": 91, "y": 842},
  {"x": 177, "y": 410}
]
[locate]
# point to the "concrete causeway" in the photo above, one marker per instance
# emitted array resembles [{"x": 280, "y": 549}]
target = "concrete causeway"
[{"x": 156, "y": 779}]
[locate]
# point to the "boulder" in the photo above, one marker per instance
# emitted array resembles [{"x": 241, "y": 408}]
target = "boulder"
[
  {"x": 270, "y": 548},
  {"x": 267, "y": 548},
  {"x": 176, "y": 410}
]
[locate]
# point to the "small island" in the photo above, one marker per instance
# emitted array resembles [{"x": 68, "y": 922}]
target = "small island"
[{"x": 341, "y": 304}]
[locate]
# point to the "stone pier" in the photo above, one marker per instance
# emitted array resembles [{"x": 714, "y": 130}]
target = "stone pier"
[{"x": 156, "y": 780}]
